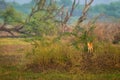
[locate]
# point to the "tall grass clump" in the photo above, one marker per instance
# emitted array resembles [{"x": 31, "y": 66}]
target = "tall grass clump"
[
  {"x": 47, "y": 56},
  {"x": 106, "y": 57}
]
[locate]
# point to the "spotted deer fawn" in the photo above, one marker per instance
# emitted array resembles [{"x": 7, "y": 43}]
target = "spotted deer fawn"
[{"x": 90, "y": 47}]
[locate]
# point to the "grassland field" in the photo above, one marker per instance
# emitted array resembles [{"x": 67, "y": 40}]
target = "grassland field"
[{"x": 12, "y": 58}]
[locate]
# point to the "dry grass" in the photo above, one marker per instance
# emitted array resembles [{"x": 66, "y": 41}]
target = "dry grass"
[
  {"x": 61, "y": 57},
  {"x": 60, "y": 61},
  {"x": 13, "y": 46},
  {"x": 106, "y": 31},
  {"x": 44, "y": 60},
  {"x": 12, "y": 41}
]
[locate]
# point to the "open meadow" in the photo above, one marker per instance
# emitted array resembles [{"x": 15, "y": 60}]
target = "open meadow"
[{"x": 18, "y": 62}]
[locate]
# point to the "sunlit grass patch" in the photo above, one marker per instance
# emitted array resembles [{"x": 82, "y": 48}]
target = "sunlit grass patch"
[
  {"x": 13, "y": 41},
  {"x": 14, "y": 46}
]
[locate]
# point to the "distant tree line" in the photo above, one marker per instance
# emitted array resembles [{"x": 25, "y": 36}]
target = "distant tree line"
[{"x": 111, "y": 9}]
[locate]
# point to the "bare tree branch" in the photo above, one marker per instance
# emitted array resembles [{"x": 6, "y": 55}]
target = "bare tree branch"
[
  {"x": 68, "y": 15},
  {"x": 84, "y": 12}
]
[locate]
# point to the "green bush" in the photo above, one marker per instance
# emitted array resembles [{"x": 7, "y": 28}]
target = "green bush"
[{"x": 51, "y": 56}]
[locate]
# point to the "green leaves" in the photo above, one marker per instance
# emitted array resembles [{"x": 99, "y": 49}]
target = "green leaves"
[
  {"x": 11, "y": 16},
  {"x": 42, "y": 22}
]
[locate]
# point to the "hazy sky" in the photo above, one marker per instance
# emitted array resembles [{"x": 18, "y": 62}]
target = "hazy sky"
[{"x": 95, "y": 1}]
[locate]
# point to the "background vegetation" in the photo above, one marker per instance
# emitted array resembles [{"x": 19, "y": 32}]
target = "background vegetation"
[{"x": 44, "y": 46}]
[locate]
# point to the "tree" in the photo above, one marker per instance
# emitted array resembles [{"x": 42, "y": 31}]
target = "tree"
[
  {"x": 43, "y": 13},
  {"x": 41, "y": 20},
  {"x": 12, "y": 17}
]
